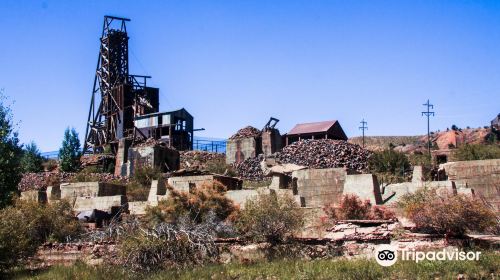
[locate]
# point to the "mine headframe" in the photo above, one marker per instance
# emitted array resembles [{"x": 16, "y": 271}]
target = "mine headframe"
[{"x": 122, "y": 96}]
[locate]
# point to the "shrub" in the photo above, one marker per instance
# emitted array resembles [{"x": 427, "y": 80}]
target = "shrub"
[
  {"x": 50, "y": 165},
  {"x": 219, "y": 166},
  {"x": 447, "y": 214},
  {"x": 168, "y": 246},
  {"x": 145, "y": 175},
  {"x": 389, "y": 165},
  {"x": 27, "y": 224},
  {"x": 137, "y": 192},
  {"x": 351, "y": 207},
  {"x": 197, "y": 204},
  {"x": 270, "y": 217},
  {"x": 69, "y": 154},
  {"x": 477, "y": 152},
  {"x": 31, "y": 161}
]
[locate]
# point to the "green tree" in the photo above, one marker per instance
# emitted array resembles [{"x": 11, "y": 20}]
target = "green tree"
[
  {"x": 10, "y": 154},
  {"x": 31, "y": 160},
  {"x": 70, "y": 153}
]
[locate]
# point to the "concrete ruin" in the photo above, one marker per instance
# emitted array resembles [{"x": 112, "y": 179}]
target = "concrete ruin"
[{"x": 483, "y": 176}]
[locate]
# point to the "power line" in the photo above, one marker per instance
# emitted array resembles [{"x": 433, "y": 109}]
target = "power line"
[
  {"x": 428, "y": 113},
  {"x": 363, "y": 127}
]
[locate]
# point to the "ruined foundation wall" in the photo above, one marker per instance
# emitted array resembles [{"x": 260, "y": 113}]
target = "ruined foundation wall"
[
  {"x": 237, "y": 150},
  {"x": 481, "y": 175},
  {"x": 318, "y": 187}
]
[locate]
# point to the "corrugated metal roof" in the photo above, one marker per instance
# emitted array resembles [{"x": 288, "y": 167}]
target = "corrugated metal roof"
[{"x": 304, "y": 128}]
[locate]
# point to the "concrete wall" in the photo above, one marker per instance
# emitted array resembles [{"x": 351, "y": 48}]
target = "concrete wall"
[
  {"x": 53, "y": 193},
  {"x": 365, "y": 186},
  {"x": 156, "y": 156},
  {"x": 183, "y": 183},
  {"x": 271, "y": 142},
  {"x": 90, "y": 189},
  {"x": 318, "y": 187},
  {"x": 237, "y": 150},
  {"x": 103, "y": 203},
  {"x": 137, "y": 207},
  {"x": 481, "y": 175},
  {"x": 34, "y": 195}
]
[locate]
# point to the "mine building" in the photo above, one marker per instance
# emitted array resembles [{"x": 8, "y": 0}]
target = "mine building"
[
  {"x": 315, "y": 130},
  {"x": 175, "y": 128},
  {"x": 495, "y": 123}
]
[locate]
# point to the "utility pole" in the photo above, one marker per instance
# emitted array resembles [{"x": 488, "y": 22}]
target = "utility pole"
[
  {"x": 428, "y": 113},
  {"x": 363, "y": 127}
]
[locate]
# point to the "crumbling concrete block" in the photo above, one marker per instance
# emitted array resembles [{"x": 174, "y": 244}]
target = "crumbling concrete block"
[
  {"x": 481, "y": 175},
  {"x": 365, "y": 186},
  {"x": 318, "y": 187},
  {"x": 90, "y": 189},
  {"x": 185, "y": 183},
  {"x": 156, "y": 156},
  {"x": 53, "y": 193},
  {"x": 34, "y": 195},
  {"x": 157, "y": 192},
  {"x": 110, "y": 204},
  {"x": 137, "y": 207},
  {"x": 237, "y": 150}
]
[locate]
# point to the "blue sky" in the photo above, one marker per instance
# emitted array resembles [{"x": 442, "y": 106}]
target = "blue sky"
[{"x": 236, "y": 63}]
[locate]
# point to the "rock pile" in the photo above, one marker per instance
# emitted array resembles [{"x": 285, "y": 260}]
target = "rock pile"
[
  {"x": 246, "y": 132},
  {"x": 325, "y": 153},
  {"x": 198, "y": 159},
  {"x": 250, "y": 168},
  {"x": 41, "y": 180}
]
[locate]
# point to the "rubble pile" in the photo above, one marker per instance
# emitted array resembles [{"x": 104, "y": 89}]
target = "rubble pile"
[
  {"x": 96, "y": 159},
  {"x": 198, "y": 159},
  {"x": 250, "y": 168},
  {"x": 41, "y": 180},
  {"x": 246, "y": 132},
  {"x": 150, "y": 142},
  {"x": 325, "y": 153}
]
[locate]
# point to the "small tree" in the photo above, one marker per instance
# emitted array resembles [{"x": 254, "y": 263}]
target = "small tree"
[
  {"x": 10, "y": 154},
  {"x": 32, "y": 160},
  {"x": 70, "y": 153},
  {"x": 270, "y": 217}
]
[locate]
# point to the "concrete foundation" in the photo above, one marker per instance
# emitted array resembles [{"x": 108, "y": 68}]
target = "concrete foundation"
[
  {"x": 156, "y": 156},
  {"x": 34, "y": 195},
  {"x": 365, "y": 186},
  {"x": 110, "y": 204},
  {"x": 237, "y": 150},
  {"x": 185, "y": 183},
  {"x": 481, "y": 175},
  {"x": 90, "y": 189},
  {"x": 319, "y": 187}
]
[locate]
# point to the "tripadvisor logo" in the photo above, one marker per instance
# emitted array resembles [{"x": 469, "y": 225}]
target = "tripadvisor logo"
[{"x": 387, "y": 255}]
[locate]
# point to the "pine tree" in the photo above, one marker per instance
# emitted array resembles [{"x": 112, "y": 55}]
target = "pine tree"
[
  {"x": 31, "y": 160},
  {"x": 69, "y": 154},
  {"x": 10, "y": 153}
]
